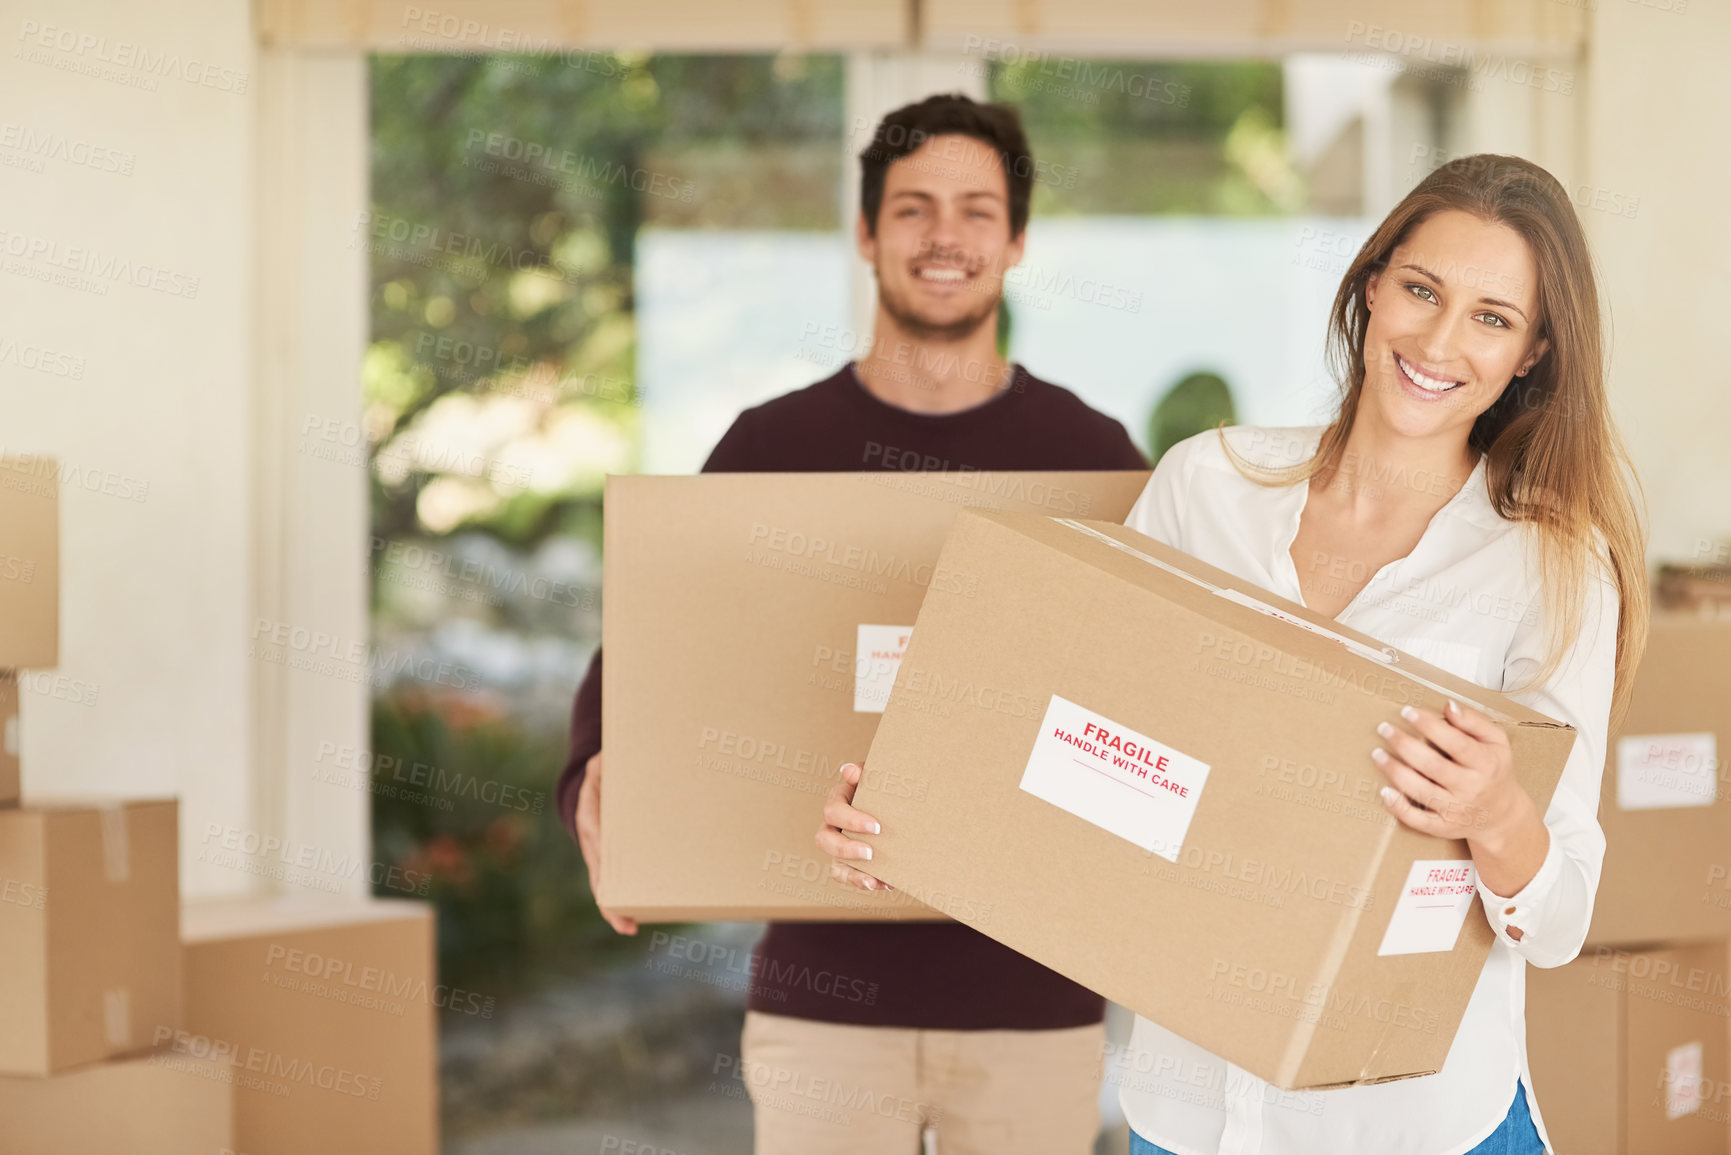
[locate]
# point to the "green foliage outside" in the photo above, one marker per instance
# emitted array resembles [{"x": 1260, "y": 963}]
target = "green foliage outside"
[
  {"x": 507, "y": 196},
  {"x": 1137, "y": 137},
  {"x": 1198, "y": 402}
]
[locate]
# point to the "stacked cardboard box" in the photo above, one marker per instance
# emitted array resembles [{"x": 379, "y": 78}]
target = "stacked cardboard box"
[
  {"x": 89, "y": 905},
  {"x": 155, "y": 1104},
  {"x": 1628, "y": 1050},
  {"x": 1628, "y": 1044},
  {"x": 325, "y": 1011},
  {"x": 1666, "y": 802},
  {"x": 89, "y": 899},
  {"x": 300, "y": 1026},
  {"x": 29, "y": 593},
  {"x": 89, "y": 910}
]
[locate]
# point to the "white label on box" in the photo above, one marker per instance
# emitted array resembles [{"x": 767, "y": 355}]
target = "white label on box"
[
  {"x": 1432, "y": 907},
  {"x": 1658, "y": 771},
  {"x": 1119, "y": 780},
  {"x": 1682, "y": 1080},
  {"x": 876, "y": 658}
]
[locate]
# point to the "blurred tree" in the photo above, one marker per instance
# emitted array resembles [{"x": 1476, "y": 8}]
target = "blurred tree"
[
  {"x": 1199, "y": 402},
  {"x": 499, "y": 388},
  {"x": 1152, "y": 136},
  {"x": 507, "y": 196}
]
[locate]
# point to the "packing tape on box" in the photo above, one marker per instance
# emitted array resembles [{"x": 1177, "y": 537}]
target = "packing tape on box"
[
  {"x": 117, "y": 1017},
  {"x": 1384, "y": 655},
  {"x": 116, "y": 850}
]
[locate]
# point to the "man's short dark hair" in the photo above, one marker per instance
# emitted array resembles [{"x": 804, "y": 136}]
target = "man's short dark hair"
[{"x": 903, "y": 131}]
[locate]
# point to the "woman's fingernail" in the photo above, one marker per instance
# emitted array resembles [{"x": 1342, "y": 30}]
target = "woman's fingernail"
[
  {"x": 1454, "y": 708},
  {"x": 1385, "y": 729},
  {"x": 877, "y": 829},
  {"x": 1389, "y": 794},
  {"x": 868, "y": 853},
  {"x": 871, "y": 883},
  {"x": 1379, "y": 754},
  {"x": 1410, "y": 714}
]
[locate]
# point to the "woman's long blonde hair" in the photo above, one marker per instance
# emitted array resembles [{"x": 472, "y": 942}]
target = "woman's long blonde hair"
[{"x": 1553, "y": 457}]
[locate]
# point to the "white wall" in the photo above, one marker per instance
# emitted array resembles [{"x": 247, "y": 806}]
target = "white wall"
[
  {"x": 310, "y": 502},
  {"x": 159, "y": 592},
  {"x": 1658, "y": 101}
]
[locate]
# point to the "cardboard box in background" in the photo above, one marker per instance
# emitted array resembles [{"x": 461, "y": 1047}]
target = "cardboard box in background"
[
  {"x": 8, "y": 737},
  {"x": 1155, "y": 778},
  {"x": 1666, "y": 802},
  {"x": 327, "y": 1009},
  {"x": 752, "y": 626},
  {"x": 1628, "y": 1050},
  {"x": 89, "y": 921},
  {"x": 154, "y": 1104},
  {"x": 1693, "y": 588},
  {"x": 29, "y": 561}
]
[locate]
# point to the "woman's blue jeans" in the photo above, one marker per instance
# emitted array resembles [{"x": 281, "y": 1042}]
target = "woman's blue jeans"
[{"x": 1516, "y": 1135}]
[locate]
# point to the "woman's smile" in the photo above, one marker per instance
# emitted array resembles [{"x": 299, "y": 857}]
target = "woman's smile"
[{"x": 1429, "y": 384}]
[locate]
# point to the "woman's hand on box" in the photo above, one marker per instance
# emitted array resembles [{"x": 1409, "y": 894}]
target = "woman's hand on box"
[
  {"x": 839, "y": 817},
  {"x": 1455, "y": 778}
]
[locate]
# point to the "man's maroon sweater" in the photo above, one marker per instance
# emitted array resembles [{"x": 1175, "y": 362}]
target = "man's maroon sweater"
[{"x": 945, "y": 975}]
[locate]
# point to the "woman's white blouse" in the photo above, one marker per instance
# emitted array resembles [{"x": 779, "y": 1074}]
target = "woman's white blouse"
[{"x": 1467, "y": 599}]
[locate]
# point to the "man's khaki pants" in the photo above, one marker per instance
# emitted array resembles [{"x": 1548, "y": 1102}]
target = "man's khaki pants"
[{"x": 831, "y": 1089}]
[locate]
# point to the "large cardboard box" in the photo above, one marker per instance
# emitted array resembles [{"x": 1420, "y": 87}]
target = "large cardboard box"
[
  {"x": 753, "y": 624},
  {"x": 8, "y": 737},
  {"x": 1155, "y": 778},
  {"x": 1628, "y": 1050},
  {"x": 325, "y": 1010},
  {"x": 1666, "y": 801},
  {"x": 89, "y": 943},
  {"x": 29, "y": 561},
  {"x": 154, "y": 1104}
]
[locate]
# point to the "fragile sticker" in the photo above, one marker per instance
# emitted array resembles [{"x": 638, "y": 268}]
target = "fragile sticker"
[
  {"x": 877, "y": 656},
  {"x": 1660, "y": 771},
  {"x": 1682, "y": 1080},
  {"x": 1432, "y": 907},
  {"x": 1130, "y": 784}
]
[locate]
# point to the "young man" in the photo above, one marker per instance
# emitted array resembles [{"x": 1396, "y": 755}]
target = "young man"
[{"x": 999, "y": 1053}]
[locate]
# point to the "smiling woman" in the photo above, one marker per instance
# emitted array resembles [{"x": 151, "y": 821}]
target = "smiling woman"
[
  {"x": 1473, "y": 309},
  {"x": 1467, "y": 328}
]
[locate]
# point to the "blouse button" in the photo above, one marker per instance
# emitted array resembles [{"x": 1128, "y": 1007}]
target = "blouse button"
[{"x": 1508, "y": 910}]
